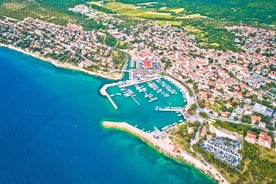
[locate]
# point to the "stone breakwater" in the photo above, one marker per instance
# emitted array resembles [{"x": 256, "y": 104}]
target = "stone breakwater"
[{"x": 167, "y": 147}]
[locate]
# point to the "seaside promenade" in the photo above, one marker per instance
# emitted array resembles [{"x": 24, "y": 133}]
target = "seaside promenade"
[
  {"x": 167, "y": 147},
  {"x": 183, "y": 90}
]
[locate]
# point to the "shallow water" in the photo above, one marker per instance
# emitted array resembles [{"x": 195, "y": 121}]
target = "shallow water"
[{"x": 50, "y": 131}]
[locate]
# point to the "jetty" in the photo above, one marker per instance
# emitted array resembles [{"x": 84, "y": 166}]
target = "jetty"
[
  {"x": 166, "y": 146},
  {"x": 168, "y": 109},
  {"x": 132, "y": 96},
  {"x": 128, "y": 83},
  {"x": 103, "y": 92}
]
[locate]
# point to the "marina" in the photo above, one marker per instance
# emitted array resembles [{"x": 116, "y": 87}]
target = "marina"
[{"x": 158, "y": 95}]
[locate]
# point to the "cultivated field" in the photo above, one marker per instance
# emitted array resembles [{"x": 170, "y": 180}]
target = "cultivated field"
[{"x": 132, "y": 10}]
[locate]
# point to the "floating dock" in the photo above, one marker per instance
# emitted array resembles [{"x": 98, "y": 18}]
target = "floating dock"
[{"x": 168, "y": 109}]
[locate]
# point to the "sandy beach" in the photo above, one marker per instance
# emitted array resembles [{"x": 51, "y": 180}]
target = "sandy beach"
[
  {"x": 167, "y": 147},
  {"x": 64, "y": 65}
]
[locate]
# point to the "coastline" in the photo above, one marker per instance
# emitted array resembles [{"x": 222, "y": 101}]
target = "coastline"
[
  {"x": 166, "y": 147},
  {"x": 183, "y": 90},
  {"x": 62, "y": 65}
]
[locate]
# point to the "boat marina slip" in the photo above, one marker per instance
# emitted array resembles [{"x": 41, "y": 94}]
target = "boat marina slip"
[
  {"x": 137, "y": 92},
  {"x": 55, "y": 137},
  {"x": 72, "y": 142},
  {"x": 159, "y": 93}
]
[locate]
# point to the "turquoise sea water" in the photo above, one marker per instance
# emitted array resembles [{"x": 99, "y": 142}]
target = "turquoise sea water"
[
  {"x": 142, "y": 112},
  {"x": 50, "y": 131}
]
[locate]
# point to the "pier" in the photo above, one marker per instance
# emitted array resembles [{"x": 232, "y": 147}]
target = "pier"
[
  {"x": 104, "y": 93},
  {"x": 133, "y": 82},
  {"x": 134, "y": 99},
  {"x": 168, "y": 109},
  {"x": 154, "y": 84},
  {"x": 111, "y": 101}
]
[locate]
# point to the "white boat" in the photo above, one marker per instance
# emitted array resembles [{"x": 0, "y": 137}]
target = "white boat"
[{"x": 153, "y": 99}]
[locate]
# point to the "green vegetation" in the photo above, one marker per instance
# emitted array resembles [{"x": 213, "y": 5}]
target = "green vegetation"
[
  {"x": 202, "y": 18},
  {"x": 181, "y": 136},
  {"x": 239, "y": 128},
  {"x": 48, "y": 10},
  {"x": 264, "y": 118},
  {"x": 211, "y": 33},
  {"x": 100, "y": 8},
  {"x": 246, "y": 119},
  {"x": 110, "y": 40},
  {"x": 192, "y": 109},
  {"x": 131, "y": 10},
  {"x": 253, "y": 12},
  {"x": 204, "y": 115},
  {"x": 258, "y": 164},
  {"x": 118, "y": 57},
  {"x": 199, "y": 17},
  {"x": 173, "y": 23}
]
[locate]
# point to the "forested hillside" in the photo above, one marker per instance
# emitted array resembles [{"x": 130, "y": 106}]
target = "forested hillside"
[{"x": 246, "y": 11}]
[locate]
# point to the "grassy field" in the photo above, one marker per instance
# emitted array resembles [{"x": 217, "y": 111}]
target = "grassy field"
[
  {"x": 173, "y": 23},
  {"x": 191, "y": 16},
  {"x": 209, "y": 32},
  {"x": 131, "y": 10},
  {"x": 252, "y": 12},
  {"x": 174, "y": 10}
]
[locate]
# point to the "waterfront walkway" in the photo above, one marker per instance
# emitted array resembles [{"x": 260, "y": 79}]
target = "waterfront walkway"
[{"x": 183, "y": 90}]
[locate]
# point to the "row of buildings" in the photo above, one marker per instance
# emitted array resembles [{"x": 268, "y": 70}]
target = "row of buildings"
[
  {"x": 63, "y": 43},
  {"x": 222, "y": 79},
  {"x": 263, "y": 140}
]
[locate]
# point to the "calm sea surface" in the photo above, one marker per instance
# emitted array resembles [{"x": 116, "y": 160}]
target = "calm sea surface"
[{"x": 50, "y": 130}]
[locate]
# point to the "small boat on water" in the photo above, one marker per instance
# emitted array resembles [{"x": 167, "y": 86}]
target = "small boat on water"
[
  {"x": 137, "y": 87},
  {"x": 153, "y": 99}
]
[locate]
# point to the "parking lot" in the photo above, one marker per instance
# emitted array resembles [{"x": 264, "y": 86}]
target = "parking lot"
[{"x": 224, "y": 149}]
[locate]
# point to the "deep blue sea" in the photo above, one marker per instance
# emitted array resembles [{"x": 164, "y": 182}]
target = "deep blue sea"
[{"x": 50, "y": 131}]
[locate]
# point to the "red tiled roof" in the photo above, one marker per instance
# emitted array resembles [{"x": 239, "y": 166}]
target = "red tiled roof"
[
  {"x": 255, "y": 118},
  {"x": 251, "y": 135},
  {"x": 147, "y": 64},
  {"x": 264, "y": 137}
]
